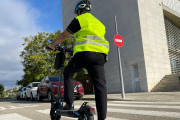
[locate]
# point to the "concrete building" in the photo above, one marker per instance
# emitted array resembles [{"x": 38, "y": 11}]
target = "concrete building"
[{"x": 150, "y": 29}]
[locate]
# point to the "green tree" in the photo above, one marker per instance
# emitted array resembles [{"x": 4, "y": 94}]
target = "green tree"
[
  {"x": 1, "y": 89},
  {"x": 36, "y": 61},
  {"x": 15, "y": 89}
]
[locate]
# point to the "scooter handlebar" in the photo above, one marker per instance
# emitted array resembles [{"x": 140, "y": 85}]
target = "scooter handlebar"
[
  {"x": 63, "y": 49},
  {"x": 60, "y": 49},
  {"x": 48, "y": 48}
]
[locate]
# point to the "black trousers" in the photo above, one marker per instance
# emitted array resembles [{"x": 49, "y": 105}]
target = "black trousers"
[{"x": 94, "y": 63}]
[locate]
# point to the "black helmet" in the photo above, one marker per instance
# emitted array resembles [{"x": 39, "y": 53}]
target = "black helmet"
[{"x": 83, "y": 5}]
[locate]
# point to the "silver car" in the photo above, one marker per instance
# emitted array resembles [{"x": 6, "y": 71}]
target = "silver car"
[{"x": 31, "y": 91}]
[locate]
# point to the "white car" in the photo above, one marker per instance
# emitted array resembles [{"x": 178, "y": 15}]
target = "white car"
[
  {"x": 31, "y": 91},
  {"x": 22, "y": 94}
]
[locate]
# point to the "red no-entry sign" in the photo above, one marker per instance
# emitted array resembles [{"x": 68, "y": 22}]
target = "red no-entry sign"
[{"x": 118, "y": 40}]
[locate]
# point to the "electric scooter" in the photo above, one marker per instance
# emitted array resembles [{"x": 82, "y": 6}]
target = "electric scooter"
[{"x": 85, "y": 112}]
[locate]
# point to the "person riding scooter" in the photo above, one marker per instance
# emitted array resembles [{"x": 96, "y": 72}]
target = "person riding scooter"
[{"x": 90, "y": 51}]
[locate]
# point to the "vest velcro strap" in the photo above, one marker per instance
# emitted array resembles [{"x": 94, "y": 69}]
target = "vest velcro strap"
[
  {"x": 92, "y": 37},
  {"x": 90, "y": 42}
]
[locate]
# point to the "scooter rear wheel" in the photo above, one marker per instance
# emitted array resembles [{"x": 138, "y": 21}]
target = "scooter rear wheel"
[
  {"x": 54, "y": 116},
  {"x": 84, "y": 116}
]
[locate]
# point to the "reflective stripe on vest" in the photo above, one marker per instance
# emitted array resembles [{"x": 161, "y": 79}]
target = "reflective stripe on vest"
[{"x": 90, "y": 42}]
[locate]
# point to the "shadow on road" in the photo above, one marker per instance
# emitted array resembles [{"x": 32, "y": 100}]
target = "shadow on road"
[
  {"x": 93, "y": 99},
  {"x": 23, "y": 101}
]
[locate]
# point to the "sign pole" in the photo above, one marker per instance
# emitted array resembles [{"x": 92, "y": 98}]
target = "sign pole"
[{"x": 120, "y": 67}]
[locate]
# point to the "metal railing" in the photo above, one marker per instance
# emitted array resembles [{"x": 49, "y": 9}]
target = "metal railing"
[{"x": 173, "y": 41}]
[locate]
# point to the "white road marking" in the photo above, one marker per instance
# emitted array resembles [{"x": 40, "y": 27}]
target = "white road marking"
[
  {"x": 146, "y": 112},
  {"x": 144, "y": 106},
  {"x": 22, "y": 106},
  {"x": 118, "y": 40},
  {"x": 13, "y": 116},
  {"x": 143, "y": 112},
  {"x": 47, "y": 111},
  {"x": 28, "y": 105},
  {"x": 14, "y": 107},
  {"x": 145, "y": 102},
  {"x": 2, "y": 108}
]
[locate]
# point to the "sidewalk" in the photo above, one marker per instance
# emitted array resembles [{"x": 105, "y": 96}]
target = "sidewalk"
[{"x": 144, "y": 96}]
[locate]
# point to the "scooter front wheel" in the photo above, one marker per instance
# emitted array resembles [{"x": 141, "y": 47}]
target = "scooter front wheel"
[{"x": 54, "y": 115}]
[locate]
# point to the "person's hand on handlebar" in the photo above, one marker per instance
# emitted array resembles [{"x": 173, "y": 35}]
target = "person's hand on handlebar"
[{"x": 59, "y": 39}]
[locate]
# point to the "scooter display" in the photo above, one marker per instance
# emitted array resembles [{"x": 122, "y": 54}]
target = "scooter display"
[{"x": 85, "y": 112}]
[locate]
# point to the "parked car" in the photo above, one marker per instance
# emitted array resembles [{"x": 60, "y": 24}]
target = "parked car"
[
  {"x": 31, "y": 91},
  {"x": 19, "y": 93},
  {"x": 22, "y": 94},
  {"x": 49, "y": 87}
]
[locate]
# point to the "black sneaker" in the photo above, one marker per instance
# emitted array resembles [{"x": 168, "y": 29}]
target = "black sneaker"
[{"x": 68, "y": 107}]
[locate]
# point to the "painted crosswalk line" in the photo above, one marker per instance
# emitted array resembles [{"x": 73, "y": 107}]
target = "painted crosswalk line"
[
  {"x": 143, "y": 106},
  {"x": 14, "y": 107},
  {"x": 18, "y": 107},
  {"x": 2, "y": 108},
  {"x": 22, "y": 106},
  {"x": 47, "y": 111},
  {"x": 146, "y": 102},
  {"x": 28, "y": 105},
  {"x": 146, "y": 112},
  {"x": 134, "y": 111},
  {"x": 13, "y": 116},
  {"x": 143, "y": 112}
]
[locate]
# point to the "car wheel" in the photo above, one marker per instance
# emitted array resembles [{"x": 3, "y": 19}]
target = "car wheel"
[
  {"x": 26, "y": 97},
  {"x": 39, "y": 97},
  {"x": 49, "y": 96},
  {"x": 22, "y": 97},
  {"x": 17, "y": 97},
  {"x": 32, "y": 97},
  {"x": 79, "y": 98}
]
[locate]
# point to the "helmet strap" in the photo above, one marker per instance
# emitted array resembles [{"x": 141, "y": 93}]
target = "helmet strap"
[{"x": 79, "y": 12}]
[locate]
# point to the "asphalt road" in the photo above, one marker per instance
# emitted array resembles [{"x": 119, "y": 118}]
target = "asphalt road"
[{"x": 117, "y": 110}]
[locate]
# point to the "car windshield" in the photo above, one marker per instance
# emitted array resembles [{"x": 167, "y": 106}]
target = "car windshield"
[
  {"x": 35, "y": 84},
  {"x": 54, "y": 78},
  {"x": 24, "y": 89}
]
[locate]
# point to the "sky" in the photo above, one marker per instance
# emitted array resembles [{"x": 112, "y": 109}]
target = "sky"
[{"x": 18, "y": 19}]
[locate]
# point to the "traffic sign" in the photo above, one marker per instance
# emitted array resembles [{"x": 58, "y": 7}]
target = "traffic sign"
[{"x": 118, "y": 40}]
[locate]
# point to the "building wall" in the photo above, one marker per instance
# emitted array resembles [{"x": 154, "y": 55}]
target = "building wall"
[
  {"x": 129, "y": 29},
  {"x": 173, "y": 4},
  {"x": 157, "y": 63}
]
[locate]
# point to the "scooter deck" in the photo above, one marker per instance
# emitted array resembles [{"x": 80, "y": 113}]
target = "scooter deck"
[{"x": 68, "y": 113}]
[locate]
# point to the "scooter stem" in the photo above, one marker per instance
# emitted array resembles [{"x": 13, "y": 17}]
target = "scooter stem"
[{"x": 59, "y": 86}]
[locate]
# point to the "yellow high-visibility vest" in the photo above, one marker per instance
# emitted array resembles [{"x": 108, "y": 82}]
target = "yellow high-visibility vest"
[{"x": 91, "y": 35}]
